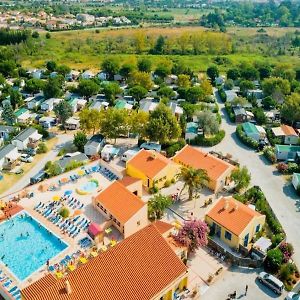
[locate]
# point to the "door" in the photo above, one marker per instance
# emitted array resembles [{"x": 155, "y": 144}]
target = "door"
[{"x": 246, "y": 240}]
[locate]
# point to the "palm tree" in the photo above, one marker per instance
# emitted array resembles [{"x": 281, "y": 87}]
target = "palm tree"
[{"x": 194, "y": 180}]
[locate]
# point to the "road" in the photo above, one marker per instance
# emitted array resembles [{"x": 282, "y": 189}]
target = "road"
[
  {"x": 280, "y": 194},
  {"x": 63, "y": 139}
]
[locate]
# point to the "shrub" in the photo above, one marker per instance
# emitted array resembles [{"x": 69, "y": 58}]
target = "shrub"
[
  {"x": 209, "y": 141},
  {"x": 42, "y": 148},
  {"x": 269, "y": 154},
  {"x": 282, "y": 167},
  {"x": 273, "y": 260},
  {"x": 276, "y": 239},
  {"x": 229, "y": 112},
  {"x": 286, "y": 271},
  {"x": 222, "y": 94},
  {"x": 172, "y": 148},
  {"x": 48, "y": 164},
  {"x": 287, "y": 250},
  {"x": 292, "y": 168},
  {"x": 153, "y": 190},
  {"x": 62, "y": 152},
  {"x": 64, "y": 212},
  {"x": 167, "y": 183},
  {"x": 73, "y": 165},
  {"x": 173, "y": 180},
  {"x": 245, "y": 139}
]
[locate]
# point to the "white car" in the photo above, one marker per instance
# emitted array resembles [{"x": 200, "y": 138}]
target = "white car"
[
  {"x": 271, "y": 282},
  {"x": 26, "y": 158},
  {"x": 292, "y": 296}
]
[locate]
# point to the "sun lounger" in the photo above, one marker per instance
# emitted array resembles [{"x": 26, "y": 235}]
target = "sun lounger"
[
  {"x": 13, "y": 289},
  {"x": 16, "y": 293},
  {"x": 51, "y": 268},
  {"x": 7, "y": 283}
]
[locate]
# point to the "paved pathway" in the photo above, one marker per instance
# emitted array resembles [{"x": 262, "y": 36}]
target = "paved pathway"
[
  {"x": 280, "y": 194},
  {"x": 51, "y": 155}
]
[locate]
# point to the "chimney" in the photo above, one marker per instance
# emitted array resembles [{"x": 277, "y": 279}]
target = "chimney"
[
  {"x": 226, "y": 205},
  {"x": 68, "y": 287}
]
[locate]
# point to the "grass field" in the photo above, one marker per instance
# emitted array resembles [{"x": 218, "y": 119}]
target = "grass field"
[{"x": 83, "y": 49}]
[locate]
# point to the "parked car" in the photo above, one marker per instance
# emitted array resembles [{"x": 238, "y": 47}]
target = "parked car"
[
  {"x": 292, "y": 296},
  {"x": 40, "y": 176},
  {"x": 271, "y": 282},
  {"x": 26, "y": 158},
  {"x": 30, "y": 151}
]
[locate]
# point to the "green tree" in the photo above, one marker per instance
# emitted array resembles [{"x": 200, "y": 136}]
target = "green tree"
[
  {"x": 260, "y": 116},
  {"x": 80, "y": 139},
  {"x": 183, "y": 81},
  {"x": 162, "y": 70},
  {"x": 274, "y": 260},
  {"x": 63, "y": 112},
  {"x": 241, "y": 177},
  {"x": 126, "y": 69},
  {"x": 35, "y": 35},
  {"x": 239, "y": 101},
  {"x": 53, "y": 88},
  {"x": 144, "y": 65},
  {"x": 212, "y": 72},
  {"x": 114, "y": 123},
  {"x": 274, "y": 84},
  {"x": 249, "y": 73},
  {"x": 206, "y": 87},
  {"x": 159, "y": 45},
  {"x": 166, "y": 91},
  {"x": 162, "y": 125},
  {"x": 290, "y": 110},
  {"x": 34, "y": 85},
  {"x": 88, "y": 87},
  {"x": 208, "y": 122},
  {"x": 157, "y": 206},
  {"x": 194, "y": 180},
  {"x": 51, "y": 65},
  {"x": 140, "y": 78},
  {"x": 89, "y": 120},
  {"x": 53, "y": 169},
  {"x": 110, "y": 91},
  {"x": 110, "y": 66},
  {"x": 195, "y": 94},
  {"x": 233, "y": 74},
  {"x": 63, "y": 70},
  {"x": 138, "y": 121},
  {"x": 48, "y": 36},
  {"x": 15, "y": 98},
  {"x": 268, "y": 102},
  {"x": 8, "y": 114},
  {"x": 246, "y": 85},
  {"x": 138, "y": 92}
]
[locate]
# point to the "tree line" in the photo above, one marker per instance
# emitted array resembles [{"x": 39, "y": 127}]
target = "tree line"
[{"x": 9, "y": 37}]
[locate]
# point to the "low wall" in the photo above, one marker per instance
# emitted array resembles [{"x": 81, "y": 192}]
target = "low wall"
[{"x": 235, "y": 259}]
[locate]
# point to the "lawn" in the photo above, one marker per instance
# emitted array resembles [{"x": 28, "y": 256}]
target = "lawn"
[{"x": 10, "y": 179}]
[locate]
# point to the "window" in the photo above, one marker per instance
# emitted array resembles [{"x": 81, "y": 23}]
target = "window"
[
  {"x": 228, "y": 235},
  {"x": 257, "y": 228},
  {"x": 138, "y": 223}
]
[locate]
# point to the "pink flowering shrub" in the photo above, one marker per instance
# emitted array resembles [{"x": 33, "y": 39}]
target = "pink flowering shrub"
[
  {"x": 193, "y": 234},
  {"x": 287, "y": 251}
]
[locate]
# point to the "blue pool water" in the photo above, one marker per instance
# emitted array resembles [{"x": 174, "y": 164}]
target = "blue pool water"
[
  {"x": 25, "y": 253},
  {"x": 89, "y": 186}
]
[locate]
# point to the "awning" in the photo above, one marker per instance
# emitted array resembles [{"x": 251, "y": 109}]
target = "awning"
[
  {"x": 13, "y": 156},
  {"x": 36, "y": 136}
]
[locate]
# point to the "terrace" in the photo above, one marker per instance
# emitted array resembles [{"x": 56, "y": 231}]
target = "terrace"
[{"x": 43, "y": 202}]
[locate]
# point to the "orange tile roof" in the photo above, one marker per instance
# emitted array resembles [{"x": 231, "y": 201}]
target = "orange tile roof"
[
  {"x": 162, "y": 227},
  {"x": 232, "y": 215},
  {"x": 138, "y": 268},
  {"x": 120, "y": 202},
  {"x": 128, "y": 180},
  {"x": 197, "y": 159},
  {"x": 149, "y": 162},
  {"x": 288, "y": 130}
]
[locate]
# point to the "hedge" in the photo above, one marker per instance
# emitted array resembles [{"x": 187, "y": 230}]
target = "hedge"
[
  {"x": 172, "y": 147},
  {"x": 209, "y": 141},
  {"x": 244, "y": 138},
  {"x": 269, "y": 154},
  {"x": 229, "y": 112},
  {"x": 222, "y": 94},
  {"x": 255, "y": 196}
]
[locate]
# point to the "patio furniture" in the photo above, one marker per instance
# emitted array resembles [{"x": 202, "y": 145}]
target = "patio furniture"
[
  {"x": 83, "y": 260},
  {"x": 108, "y": 230}
]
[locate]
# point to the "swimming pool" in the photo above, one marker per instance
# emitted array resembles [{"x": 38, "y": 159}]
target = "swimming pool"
[
  {"x": 26, "y": 245},
  {"x": 88, "y": 187}
]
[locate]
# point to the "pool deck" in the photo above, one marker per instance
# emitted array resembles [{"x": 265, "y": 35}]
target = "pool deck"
[{"x": 87, "y": 211}]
